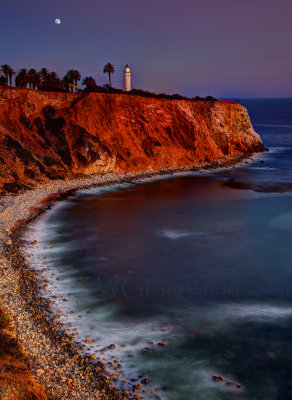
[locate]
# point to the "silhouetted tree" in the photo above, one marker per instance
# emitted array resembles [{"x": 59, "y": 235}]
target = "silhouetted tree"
[
  {"x": 4, "y": 70},
  {"x": 73, "y": 76},
  {"x": 70, "y": 76},
  {"x": 33, "y": 78},
  {"x": 21, "y": 78},
  {"x": 11, "y": 72},
  {"x": 177, "y": 96},
  {"x": 3, "y": 81},
  {"x": 65, "y": 81},
  {"x": 107, "y": 87},
  {"x": 77, "y": 76},
  {"x": 8, "y": 73},
  {"x": 44, "y": 76},
  {"x": 54, "y": 82},
  {"x": 210, "y": 98},
  {"x": 89, "y": 83},
  {"x": 109, "y": 69}
]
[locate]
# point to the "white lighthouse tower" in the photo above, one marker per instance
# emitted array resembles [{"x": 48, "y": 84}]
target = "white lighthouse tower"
[{"x": 127, "y": 78}]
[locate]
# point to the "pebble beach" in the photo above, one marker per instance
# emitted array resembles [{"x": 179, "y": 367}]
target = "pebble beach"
[{"x": 55, "y": 359}]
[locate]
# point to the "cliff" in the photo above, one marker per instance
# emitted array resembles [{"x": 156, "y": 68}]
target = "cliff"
[{"x": 51, "y": 135}]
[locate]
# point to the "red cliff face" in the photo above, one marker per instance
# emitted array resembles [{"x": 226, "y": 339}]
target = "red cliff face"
[{"x": 52, "y": 135}]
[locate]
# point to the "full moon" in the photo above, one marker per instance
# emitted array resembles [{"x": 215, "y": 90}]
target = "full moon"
[{"x": 57, "y": 21}]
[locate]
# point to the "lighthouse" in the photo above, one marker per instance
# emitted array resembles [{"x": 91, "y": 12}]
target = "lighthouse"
[{"x": 127, "y": 78}]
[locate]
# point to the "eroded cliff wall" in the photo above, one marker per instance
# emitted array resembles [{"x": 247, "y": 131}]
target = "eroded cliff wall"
[{"x": 51, "y": 135}]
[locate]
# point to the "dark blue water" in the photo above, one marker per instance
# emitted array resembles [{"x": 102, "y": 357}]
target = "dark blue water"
[{"x": 201, "y": 264}]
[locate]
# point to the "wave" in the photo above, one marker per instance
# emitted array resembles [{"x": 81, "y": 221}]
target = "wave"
[
  {"x": 178, "y": 234},
  {"x": 254, "y": 312},
  {"x": 96, "y": 324},
  {"x": 274, "y": 125},
  {"x": 221, "y": 317},
  {"x": 104, "y": 189}
]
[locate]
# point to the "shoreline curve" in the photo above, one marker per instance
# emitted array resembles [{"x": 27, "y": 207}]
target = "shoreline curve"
[{"x": 54, "y": 358}]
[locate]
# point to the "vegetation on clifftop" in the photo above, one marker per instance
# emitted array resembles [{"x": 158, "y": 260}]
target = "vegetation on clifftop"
[{"x": 44, "y": 80}]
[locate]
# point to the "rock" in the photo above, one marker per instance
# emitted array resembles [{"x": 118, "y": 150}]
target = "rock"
[
  {"x": 145, "y": 381},
  {"x": 40, "y": 372},
  {"x": 217, "y": 378}
]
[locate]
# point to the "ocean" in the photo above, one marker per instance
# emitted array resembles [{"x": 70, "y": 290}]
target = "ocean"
[{"x": 189, "y": 276}]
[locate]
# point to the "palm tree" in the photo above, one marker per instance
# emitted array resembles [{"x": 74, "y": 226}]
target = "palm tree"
[
  {"x": 73, "y": 76},
  {"x": 109, "y": 69},
  {"x": 77, "y": 76},
  {"x": 89, "y": 83},
  {"x": 21, "y": 78},
  {"x": 11, "y": 72},
  {"x": 69, "y": 78},
  {"x": 33, "y": 78},
  {"x": 44, "y": 75},
  {"x": 54, "y": 81},
  {"x": 65, "y": 81},
  {"x": 8, "y": 72}
]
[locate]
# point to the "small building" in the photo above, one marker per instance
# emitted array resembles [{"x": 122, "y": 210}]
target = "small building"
[{"x": 127, "y": 78}]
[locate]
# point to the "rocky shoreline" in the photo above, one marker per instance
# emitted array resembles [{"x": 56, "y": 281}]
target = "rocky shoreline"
[{"x": 55, "y": 359}]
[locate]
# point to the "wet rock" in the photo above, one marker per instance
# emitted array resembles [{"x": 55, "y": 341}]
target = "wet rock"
[
  {"x": 145, "y": 349},
  {"x": 217, "y": 378}
]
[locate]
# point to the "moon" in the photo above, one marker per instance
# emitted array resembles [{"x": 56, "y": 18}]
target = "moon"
[{"x": 57, "y": 21}]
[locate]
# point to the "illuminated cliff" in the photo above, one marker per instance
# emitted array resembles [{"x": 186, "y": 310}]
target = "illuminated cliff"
[{"x": 50, "y": 135}]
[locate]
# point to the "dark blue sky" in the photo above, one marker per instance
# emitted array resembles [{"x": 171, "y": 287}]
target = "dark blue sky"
[{"x": 225, "y": 48}]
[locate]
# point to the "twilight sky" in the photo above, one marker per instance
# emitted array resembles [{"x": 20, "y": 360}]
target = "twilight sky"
[{"x": 224, "y": 48}]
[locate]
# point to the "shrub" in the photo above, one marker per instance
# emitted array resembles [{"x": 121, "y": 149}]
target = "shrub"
[
  {"x": 38, "y": 123},
  {"x": 26, "y": 122},
  {"x": 210, "y": 98},
  {"x": 49, "y": 161},
  {"x": 55, "y": 124},
  {"x": 65, "y": 156},
  {"x": 48, "y": 111},
  {"x": 20, "y": 152},
  {"x": 11, "y": 187}
]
